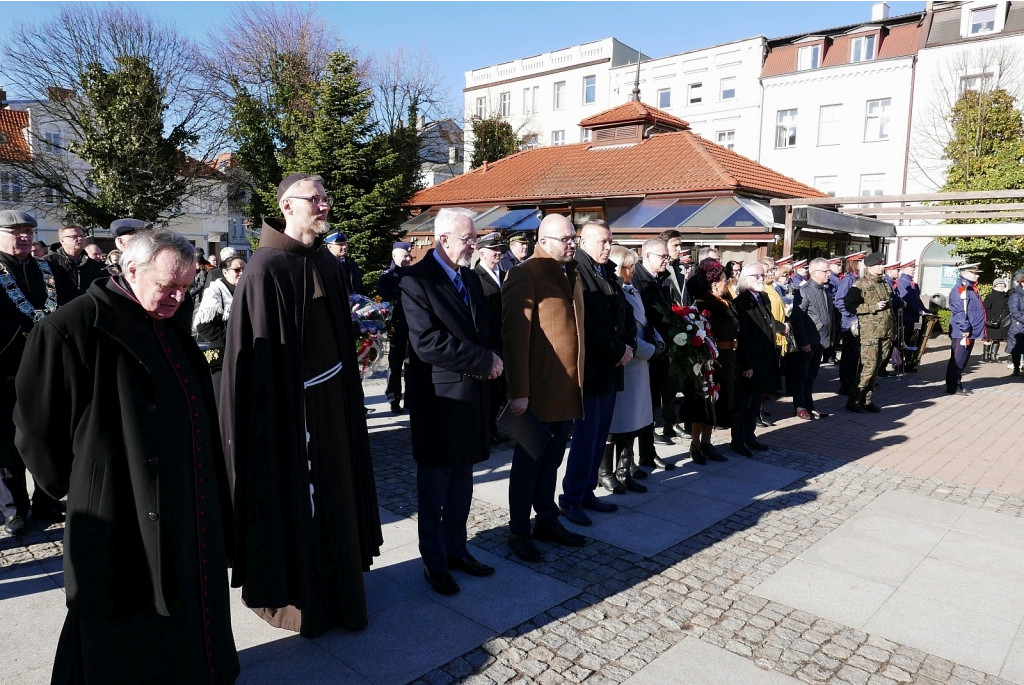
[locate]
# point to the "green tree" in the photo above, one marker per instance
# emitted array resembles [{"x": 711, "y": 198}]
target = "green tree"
[
  {"x": 986, "y": 153},
  {"x": 493, "y": 139}
]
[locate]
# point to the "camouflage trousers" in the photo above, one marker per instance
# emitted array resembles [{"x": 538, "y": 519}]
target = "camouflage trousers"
[{"x": 874, "y": 353}]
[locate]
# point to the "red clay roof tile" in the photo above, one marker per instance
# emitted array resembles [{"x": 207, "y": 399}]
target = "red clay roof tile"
[
  {"x": 13, "y": 146},
  {"x": 630, "y": 112}
]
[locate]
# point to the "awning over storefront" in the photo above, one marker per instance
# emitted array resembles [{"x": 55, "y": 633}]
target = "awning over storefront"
[
  {"x": 719, "y": 215},
  {"x": 838, "y": 222}
]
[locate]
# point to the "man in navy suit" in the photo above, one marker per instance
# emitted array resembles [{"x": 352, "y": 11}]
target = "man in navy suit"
[{"x": 451, "y": 360}]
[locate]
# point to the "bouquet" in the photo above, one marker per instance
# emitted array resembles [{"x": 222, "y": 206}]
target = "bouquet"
[
  {"x": 369, "y": 318},
  {"x": 692, "y": 350}
]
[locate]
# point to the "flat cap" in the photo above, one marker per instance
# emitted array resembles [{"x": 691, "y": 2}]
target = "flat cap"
[
  {"x": 402, "y": 246},
  {"x": 128, "y": 226},
  {"x": 336, "y": 237},
  {"x": 15, "y": 217},
  {"x": 492, "y": 241},
  {"x": 289, "y": 181},
  {"x": 874, "y": 259}
]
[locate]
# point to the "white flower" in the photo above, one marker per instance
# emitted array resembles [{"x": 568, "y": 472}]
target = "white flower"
[
  {"x": 701, "y": 334},
  {"x": 680, "y": 339},
  {"x": 696, "y": 369}
]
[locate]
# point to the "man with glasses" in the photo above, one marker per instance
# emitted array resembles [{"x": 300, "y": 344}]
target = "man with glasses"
[
  {"x": 71, "y": 257},
  {"x": 294, "y": 427},
  {"x": 813, "y": 329},
  {"x": 542, "y": 331},
  {"x": 32, "y": 290}
]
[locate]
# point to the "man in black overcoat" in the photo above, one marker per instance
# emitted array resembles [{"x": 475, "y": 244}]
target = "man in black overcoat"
[
  {"x": 451, "y": 359},
  {"x": 398, "y": 333},
  {"x": 492, "y": 276},
  {"x": 306, "y": 517}
]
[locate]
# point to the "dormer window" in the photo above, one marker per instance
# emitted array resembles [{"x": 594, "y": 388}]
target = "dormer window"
[
  {"x": 862, "y": 49},
  {"x": 983, "y": 20},
  {"x": 808, "y": 57}
]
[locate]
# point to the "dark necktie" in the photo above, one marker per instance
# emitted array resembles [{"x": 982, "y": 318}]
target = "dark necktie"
[{"x": 463, "y": 293}]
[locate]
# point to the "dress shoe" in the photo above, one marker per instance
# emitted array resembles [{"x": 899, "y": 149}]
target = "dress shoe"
[
  {"x": 662, "y": 464},
  {"x": 558, "y": 534},
  {"x": 574, "y": 514},
  {"x": 524, "y": 548},
  {"x": 711, "y": 453},
  {"x": 638, "y": 473},
  {"x": 594, "y": 504},
  {"x": 633, "y": 486},
  {"x": 396, "y": 408},
  {"x": 14, "y": 525},
  {"x": 963, "y": 391},
  {"x": 855, "y": 407},
  {"x": 872, "y": 407},
  {"x": 665, "y": 439},
  {"x": 757, "y": 445},
  {"x": 441, "y": 581},
  {"x": 612, "y": 485},
  {"x": 764, "y": 421},
  {"x": 740, "y": 449},
  {"x": 697, "y": 456},
  {"x": 470, "y": 566},
  {"x": 819, "y": 414},
  {"x": 803, "y": 414},
  {"x": 680, "y": 431}
]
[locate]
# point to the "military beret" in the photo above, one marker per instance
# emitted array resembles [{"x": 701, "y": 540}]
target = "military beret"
[
  {"x": 336, "y": 237},
  {"x": 492, "y": 241},
  {"x": 15, "y": 217},
  {"x": 519, "y": 238},
  {"x": 289, "y": 181},
  {"x": 874, "y": 259},
  {"x": 128, "y": 226},
  {"x": 402, "y": 246}
]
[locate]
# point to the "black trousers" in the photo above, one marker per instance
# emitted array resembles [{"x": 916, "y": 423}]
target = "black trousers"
[
  {"x": 397, "y": 351},
  {"x": 849, "y": 363},
  {"x": 42, "y": 504}
]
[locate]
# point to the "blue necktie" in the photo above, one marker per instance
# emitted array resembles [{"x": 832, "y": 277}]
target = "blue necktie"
[{"x": 463, "y": 293}]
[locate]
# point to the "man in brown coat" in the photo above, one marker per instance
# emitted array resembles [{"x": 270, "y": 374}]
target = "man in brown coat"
[{"x": 544, "y": 367}]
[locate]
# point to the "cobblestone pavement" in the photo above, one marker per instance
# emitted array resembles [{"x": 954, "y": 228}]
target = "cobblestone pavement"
[{"x": 631, "y": 609}]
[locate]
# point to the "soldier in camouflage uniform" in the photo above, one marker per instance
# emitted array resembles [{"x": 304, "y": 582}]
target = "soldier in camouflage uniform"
[{"x": 871, "y": 298}]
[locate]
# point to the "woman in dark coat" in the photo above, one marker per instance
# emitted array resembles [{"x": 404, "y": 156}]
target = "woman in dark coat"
[
  {"x": 1015, "y": 334},
  {"x": 709, "y": 288},
  {"x": 997, "y": 311}
]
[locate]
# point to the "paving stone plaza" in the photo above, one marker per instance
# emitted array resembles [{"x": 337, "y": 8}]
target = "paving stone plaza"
[{"x": 860, "y": 549}]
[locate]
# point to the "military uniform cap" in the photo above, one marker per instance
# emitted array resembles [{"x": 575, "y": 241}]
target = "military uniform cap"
[
  {"x": 892, "y": 265},
  {"x": 912, "y": 264},
  {"x": 128, "y": 226},
  {"x": 16, "y": 217},
  {"x": 856, "y": 256},
  {"x": 835, "y": 260},
  {"x": 519, "y": 238},
  {"x": 402, "y": 246},
  {"x": 800, "y": 264},
  {"x": 492, "y": 241},
  {"x": 783, "y": 261},
  {"x": 336, "y": 237},
  {"x": 970, "y": 267}
]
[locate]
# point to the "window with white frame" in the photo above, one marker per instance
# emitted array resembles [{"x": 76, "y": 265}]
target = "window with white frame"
[
  {"x": 558, "y": 137},
  {"x": 983, "y": 20},
  {"x": 585, "y": 135},
  {"x": 727, "y": 91},
  {"x": 785, "y": 128},
  {"x": 872, "y": 184},
  {"x": 829, "y": 126},
  {"x": 505, "y": 104},
  {"x": 862, "y": 49},
  {"x": 50, "y": 196},
  {"x": 481, "y": 107},
  {"x": 589, "y": 90},
  {"x": 559, "y": 95},
  {"x": 10, "y": 186},
  {"x": 695, "y": 93},
  {"x": 726, "y": 139},
  {"x": 535, "y": 101},
  {"x": 876, "y": 121},
  {"x": 527, "y": 109},
  {"x": 530, "y": 141},
  {"x": 808, "y": 57},
  {"x": 52, "y": 139},
  {"x": 826, "y": 184},
  {"x": 978, "y": 82},
  {"x": 664, "y": 98}
]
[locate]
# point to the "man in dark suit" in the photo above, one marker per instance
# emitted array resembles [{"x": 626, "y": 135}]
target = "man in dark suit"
[
  {"x": 447, "y": 393},
  {"x": 491, "y": 249},
  {"x": 757, "y": 362},
  {"x": 609, "y": 340},
  {"x": 337, "y": 245},
  {"x": 398, "y": 334}
]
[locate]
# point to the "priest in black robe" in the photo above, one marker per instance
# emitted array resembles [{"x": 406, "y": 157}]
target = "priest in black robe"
[{"x": 306, "y": 519}]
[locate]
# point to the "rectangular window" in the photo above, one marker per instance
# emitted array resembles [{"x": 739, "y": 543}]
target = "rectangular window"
[
  {"x": 862, "y": 49},
  {"x": 505, "y": 104},
  {"x": 558, "y": 137},
  {"x": 50, "y": 196},
  {"x": 808, "y": 57},
  {"x": 665, "y": 98},
  {"x": 826, "y": 184},
  {"x": 728, "y": 89},
  {"x": 983, "y": 20},
  {"x": 535, "y": 102},
  {"x": 589, "y": 90},
  {"x": 829, "y": 126},
  {"x": 559, "y": 99},
  {"x": 876, "y": 122},
  {"x": 726, "y": 139},
  {"x": 585, "y": 134},
  {"x": 978, "y": 82},
  {"x": 481, "y": 107},
  {"x": 785, "y": 128},
  {"x": 871, "y": 185},
  {"x": 10, "y": 186},
  {"x": 52, "y": 139},
  {"x": 527, "y": 109},
  {"x": 530, "y": 141},
  {"x": 694, "y": 93}
]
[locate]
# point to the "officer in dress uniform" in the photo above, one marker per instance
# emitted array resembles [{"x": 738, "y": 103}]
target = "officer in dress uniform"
[
  {"x": 966, "y": 324},
  {"x": 913, "y": 308}
]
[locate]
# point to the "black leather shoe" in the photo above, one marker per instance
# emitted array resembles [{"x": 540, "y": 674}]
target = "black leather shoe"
[
  {"x": 612, "y": 485},
  {"x": 855, "y": 407},
  {"x": 711, "y": 453},
  {"x": 872, "y": 407},
  {"x": 638, "y": 473},
  {"x": 14, "y": 525},
  {"x": 757, "y": 445},
  {"x": 594, "y": 504},
  {"x": 680, "y": 431},
  {"x": 559, "y": 535},
  {"x": 665, "y": 439},
  {"x": 470, "y": 566},
  {"x": 574, "y": 514},
  {"x": 697, "y": 456},
  {"x": 662, "y": 464},
  {"x": 441, "y": 581},
  {"x": 740, "y": 449},
  {"x": 632, "y": 485},
  {"x": 396, "y": 408},
  {"x": 524, "y": 548},
  {"x": 764, "y": 421}
]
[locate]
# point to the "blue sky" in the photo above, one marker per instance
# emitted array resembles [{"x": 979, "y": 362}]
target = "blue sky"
[{"x": 462, "y": 36}]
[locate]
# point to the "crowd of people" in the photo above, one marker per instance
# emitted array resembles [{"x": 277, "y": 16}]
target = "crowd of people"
[{"x": 252, "y": 450}]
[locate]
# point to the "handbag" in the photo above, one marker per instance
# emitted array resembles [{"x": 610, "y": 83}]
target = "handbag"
[{"x": 998, "y": 323}]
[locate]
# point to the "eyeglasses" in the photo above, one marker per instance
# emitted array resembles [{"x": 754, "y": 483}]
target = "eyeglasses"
[
  {"x": 238, "y": 270},
  {"x": 73, "y": 237},
  {"x": 566, "y": 240},
  {"x": 757, "y": 276},
  {"x": 469, "y": 241},
  {"x": 663, "y": 257},
  {"x": 18, "y": 234},
  {"x": 313, "y": 199}
]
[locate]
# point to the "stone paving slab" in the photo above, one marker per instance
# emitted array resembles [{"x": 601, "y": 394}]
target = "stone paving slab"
[{"x": 692, "y": 662}]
